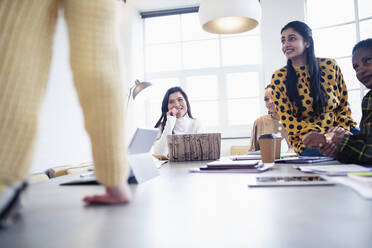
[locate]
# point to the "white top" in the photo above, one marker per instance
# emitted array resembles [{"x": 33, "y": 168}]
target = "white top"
[{"x": 183, "y": 125}]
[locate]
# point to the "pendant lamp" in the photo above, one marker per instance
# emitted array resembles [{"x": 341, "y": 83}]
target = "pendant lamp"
[{"x": 229, "y": 16}]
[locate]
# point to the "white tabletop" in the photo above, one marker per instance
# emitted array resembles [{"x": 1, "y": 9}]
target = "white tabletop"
[{"x": 182, "y": 209}]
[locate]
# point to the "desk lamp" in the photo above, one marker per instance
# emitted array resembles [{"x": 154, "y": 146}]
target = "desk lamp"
[
  {"x": 137, "y": 88},
  {"x": 229, "y": 16}
]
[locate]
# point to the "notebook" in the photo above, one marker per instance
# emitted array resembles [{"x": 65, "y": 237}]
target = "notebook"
[
  {"x": 304, "y": 160},
  {"x": 194, "y": 147},
  {"x": 140, "y": 159}
]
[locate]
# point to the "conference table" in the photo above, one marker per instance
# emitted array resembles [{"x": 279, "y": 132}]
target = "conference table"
[{"x": 183, "y": 209}]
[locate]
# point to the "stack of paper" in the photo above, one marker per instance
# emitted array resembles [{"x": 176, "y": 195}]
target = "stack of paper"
[
  {"x": 257, "y": 155},
  {"x": 365, "y": 177},
  {"x": 304, "y": 160},
  {"x": 334, "y": 170}
]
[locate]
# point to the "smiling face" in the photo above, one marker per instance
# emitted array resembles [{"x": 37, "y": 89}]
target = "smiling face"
[
  {"x": 270, "y": 105},
  {"x": 362, "y": 64},
  {"x": 178, "y": 102},
  {"x": 294, "y": 46}
]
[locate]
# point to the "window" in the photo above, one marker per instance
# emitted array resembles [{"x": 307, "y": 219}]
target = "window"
[
  {"x": 336, "y": 30},
  {"x": 221, "y": 74}
]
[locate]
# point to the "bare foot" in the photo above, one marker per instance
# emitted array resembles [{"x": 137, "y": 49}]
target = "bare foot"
[{"x": 114, "y": 195}]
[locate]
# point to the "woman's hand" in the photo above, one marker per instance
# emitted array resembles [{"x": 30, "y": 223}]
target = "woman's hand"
[
  {"x": 317, "y": 140},
  {"x": 173, "y": 112},
  {"x": 334, "y": 137},
  {"x": 339, "y": 131},
  {"x": 314, "y": 140},
  {"x": 114, "y": 195},
  {"x": 329, "y": 149}
]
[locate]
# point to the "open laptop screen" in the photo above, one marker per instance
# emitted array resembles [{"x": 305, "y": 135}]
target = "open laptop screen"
[{"x": 142, "y": 140}]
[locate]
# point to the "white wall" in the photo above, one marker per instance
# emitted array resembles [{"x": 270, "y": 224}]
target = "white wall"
[
  {"x": 62, "y": 138},
  {"x": 275, "y": 14},
  {"x": 131, "y": 30}
]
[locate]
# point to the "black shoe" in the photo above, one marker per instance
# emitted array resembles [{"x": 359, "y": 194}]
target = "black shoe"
[{"x": 10, "y": 204}]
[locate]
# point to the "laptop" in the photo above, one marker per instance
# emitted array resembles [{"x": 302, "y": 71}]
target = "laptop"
[
  {"x": 194, "y": 147},
  {"x": 140, "y": 159},
  {"x": 142, "y": 165}
]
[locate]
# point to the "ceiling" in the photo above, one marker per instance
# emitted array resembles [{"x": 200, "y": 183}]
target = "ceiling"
[{"x": 152, "y": 5}]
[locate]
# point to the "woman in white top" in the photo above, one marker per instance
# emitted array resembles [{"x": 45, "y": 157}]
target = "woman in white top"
[{"x": 176, "y": 118}]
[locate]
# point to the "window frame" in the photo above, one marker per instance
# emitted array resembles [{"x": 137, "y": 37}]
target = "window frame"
[
  {"x": 362, "y": 89},
  {"x": 228, "y": 131}
]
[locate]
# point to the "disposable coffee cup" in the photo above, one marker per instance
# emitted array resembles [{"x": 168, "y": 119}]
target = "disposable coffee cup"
[
  {"x": 278, "y": 145},
  {"x": 267, "y": 145}
]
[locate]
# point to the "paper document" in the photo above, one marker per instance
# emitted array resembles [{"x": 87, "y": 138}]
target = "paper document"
[
  {"x": 257, "y": 155},
  {"x": 361, "y": 176},
  {"x": 246, "y": 157},
  {"x": 363, "y": 188},
  {"x": 159, "y": 163},
  {"x": 334, "y": 170},
  {"x": 288, "y": 154}
]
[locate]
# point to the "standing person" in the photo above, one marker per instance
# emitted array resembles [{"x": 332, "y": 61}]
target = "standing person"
[
  {"x": 309, "y": 93},
  {"x": 344, "y": 146},
  {"x": 268, "y": 123},
  {"x": 176, "y": 118},
  {"x": 26, "y": 41}
]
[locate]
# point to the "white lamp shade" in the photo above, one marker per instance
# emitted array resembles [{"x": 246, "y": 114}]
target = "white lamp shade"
[{"x": 229, "y": 16}]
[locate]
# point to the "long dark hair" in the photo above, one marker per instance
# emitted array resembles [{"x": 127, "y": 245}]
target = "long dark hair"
[
  {"x": 164, "y": 106},
  {"x": 316, "y": 89}
]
